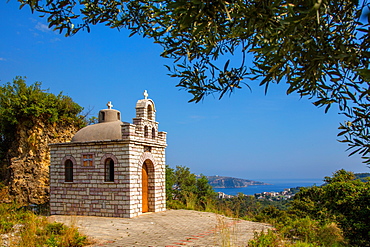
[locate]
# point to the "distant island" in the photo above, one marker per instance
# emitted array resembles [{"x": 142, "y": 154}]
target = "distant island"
[
  {"x": 362, "y": 176},
  {"x": 230, "y": 182},
  {"x": 222, "y": 182}
]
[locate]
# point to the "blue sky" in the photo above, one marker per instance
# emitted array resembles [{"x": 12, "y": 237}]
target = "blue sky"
[{"x": 248, "y": 135}]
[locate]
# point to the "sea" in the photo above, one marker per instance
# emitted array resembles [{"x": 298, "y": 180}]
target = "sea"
[{"x": 276, "y": 185}]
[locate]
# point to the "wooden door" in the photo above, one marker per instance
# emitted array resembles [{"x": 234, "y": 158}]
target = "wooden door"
[{"x": 145, "y": 193}]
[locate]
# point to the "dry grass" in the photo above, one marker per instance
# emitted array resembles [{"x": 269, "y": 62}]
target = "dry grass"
[
  {"x": 4, "y": 195},
  {"x": 227, "y": 231},
  {"x": 22, "y": 228}
]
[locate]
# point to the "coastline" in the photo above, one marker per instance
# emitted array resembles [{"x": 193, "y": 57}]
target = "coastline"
[{"x": 276, "y": 185}]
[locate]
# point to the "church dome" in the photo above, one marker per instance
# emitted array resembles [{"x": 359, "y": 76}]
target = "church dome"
[{"x": 108, "y": 128}]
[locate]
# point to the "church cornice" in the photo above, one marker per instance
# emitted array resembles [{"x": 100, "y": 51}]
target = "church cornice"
[{"x": 110, "y": 142}]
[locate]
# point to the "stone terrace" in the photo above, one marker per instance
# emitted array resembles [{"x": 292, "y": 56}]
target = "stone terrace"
[{"x": 169, "y": 228}]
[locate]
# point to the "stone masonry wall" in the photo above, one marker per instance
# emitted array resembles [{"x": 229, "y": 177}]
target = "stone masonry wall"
[
  {"x": 157, "y": 186},
  {"x": 89, "y": 194}
]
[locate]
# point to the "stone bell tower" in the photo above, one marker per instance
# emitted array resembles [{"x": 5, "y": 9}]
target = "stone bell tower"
[{"x": 111, "y": 168}]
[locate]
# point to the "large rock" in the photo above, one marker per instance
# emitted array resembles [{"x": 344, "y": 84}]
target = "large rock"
[{"x": 28, "y": 170}]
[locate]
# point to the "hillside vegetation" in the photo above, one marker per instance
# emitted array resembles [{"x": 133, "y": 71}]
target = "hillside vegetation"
[
  {"x": 30, "y": 119},
  {"x": 21, "y": 227},
  {"x": 334, "y": 214}
]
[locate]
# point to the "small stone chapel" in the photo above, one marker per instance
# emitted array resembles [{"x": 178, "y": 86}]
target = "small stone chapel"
[{"x": 112, "y": 168}]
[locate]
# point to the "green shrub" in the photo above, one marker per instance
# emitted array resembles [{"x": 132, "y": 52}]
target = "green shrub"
[
  {"x": 55, "y": 228},
  {"x": 302, "y": 231},
  {"x": 263, "y": 239},
  {"x": 341, "y": 200},
  {"x": 271, "y": 215},
  {"x": 331, "y": 235},
  {"x": 174, "y": 204},
  {"x": 304, "y": 244},
  {"x": 34, "y": 230},
  {"x": 185, "y": 190},
  {"x": 5, "y": 226},
  {"x": 52, "y": 241}
]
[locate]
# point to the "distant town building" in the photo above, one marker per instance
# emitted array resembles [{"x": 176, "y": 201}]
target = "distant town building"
[
  {"x": 222, "y": 195},
  {"x": 112, "y": 168}
]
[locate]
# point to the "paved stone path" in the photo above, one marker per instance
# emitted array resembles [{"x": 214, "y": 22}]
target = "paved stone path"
[{"x": 169, "y": 228}]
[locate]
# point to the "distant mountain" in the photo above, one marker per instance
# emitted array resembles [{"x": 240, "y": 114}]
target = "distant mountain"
[
  {"x": 362, "y": 176},
  {"x": 230, "y": 182}
]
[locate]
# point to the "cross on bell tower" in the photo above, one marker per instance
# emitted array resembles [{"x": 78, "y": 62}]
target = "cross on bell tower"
[{"x": 145, "y": 94}]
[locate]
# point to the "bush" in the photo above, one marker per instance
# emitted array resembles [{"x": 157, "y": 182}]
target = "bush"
[
  {"x": 302, "y": 231},
  {"x": 55, "y": 228},
  {"x": 264, "y": 239},
  {"x": 33, "y": 230},
  {"x": 342, "y": 200},
  {"x": 185, "y": 190},
  {"x": 5, "y": 226}
]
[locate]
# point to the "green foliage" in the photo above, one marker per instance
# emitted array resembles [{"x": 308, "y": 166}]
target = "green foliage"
[
  {"x": 264, "y": 239},
  {"x": 319, "y": 48},
  {"x": 23, "y": 106},
  {"x": 272, "y": 215},
  {"x": 55, "y": 228},
  {"x": 300, "y": 231},
  {"x": 92, "y": 120},
  {"x": 52, "y": 241},
  {"x": 5, "y": 226},
  {"x": 185, "y": 190},
  {"x": 248, "y": 207},
  {"x": 342, "y": 200},
  {"x": 340, "y": 176},
  {"x": 19, "y": 103},
  {"x": 307, "y": 230},
  {"x": 32, "y": 230},
  {"x": 335, "y": 214},
  {"x": 241, "y": 205},
  {"x": 170, "y": 182}
]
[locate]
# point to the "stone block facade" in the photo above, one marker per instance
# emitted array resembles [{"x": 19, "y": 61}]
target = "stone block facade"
[{"x": 98, "y": 176}]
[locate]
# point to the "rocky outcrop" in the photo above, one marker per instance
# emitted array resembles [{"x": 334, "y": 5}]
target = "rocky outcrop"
[
  {"x": 230, "y": 182},
  {"x": 28, "y": 169}
]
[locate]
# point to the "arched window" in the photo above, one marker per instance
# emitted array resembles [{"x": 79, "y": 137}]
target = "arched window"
[
  {"x": 153, "y": 133},
  {"x": 109, "y": 170},
  {"x": 68, "y": 171},
  {"x": 150, "y": 112},
  {"x": 146, "y": 134}
]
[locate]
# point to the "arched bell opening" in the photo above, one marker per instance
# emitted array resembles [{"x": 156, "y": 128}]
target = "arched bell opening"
[
  {"x": 146, "y": 132},
  {"x": 153, "y": 133},
  {"x": 150, "y": 112}
]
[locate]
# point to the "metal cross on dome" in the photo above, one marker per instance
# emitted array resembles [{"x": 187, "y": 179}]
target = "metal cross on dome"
[
  {"x": 109, "y": 105},
  {"x": 145, "y": 94}
]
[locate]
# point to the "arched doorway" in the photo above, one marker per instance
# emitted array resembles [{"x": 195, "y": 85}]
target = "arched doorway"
[{"x": 145, "y": 188}]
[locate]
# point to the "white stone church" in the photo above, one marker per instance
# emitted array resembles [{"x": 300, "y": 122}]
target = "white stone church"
[{"x": 112, "y": 168}]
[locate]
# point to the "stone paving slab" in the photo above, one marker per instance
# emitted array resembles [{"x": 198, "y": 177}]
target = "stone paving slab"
[{"x": 168, "y": 228}]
